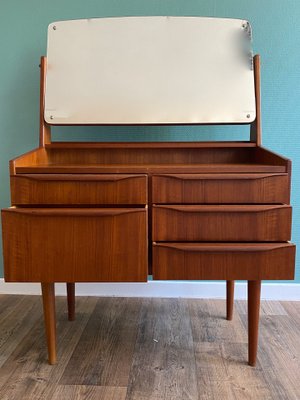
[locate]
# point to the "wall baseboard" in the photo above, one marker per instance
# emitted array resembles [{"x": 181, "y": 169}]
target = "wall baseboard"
[{"x": 201, "y": 290}]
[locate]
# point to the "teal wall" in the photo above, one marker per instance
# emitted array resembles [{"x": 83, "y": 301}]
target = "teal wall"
[{"x": 276, "y": 33}]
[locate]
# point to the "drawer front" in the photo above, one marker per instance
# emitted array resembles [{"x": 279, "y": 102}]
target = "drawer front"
[
  {"x": 223, "y": 261},
  {"x": 222, "y": 223},
  {"x": 78, "y": 189},
  {"x": 220, "y": 188},
  {"x": 75, "y": 245}
]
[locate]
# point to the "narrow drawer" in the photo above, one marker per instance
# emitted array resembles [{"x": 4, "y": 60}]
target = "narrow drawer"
[
  {"x": 237, "y": 223},
  {"x": 78, "y": 189},
  {"x": 75, "y": 245},
  {"x": 220, "y": 188},
  {"x": 228, "y": 261}
]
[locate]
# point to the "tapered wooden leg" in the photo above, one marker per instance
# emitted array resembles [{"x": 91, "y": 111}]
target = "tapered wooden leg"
[
  {"x": 71, "y": 301},
  {"x": 48, "y": 292},
  {"x": 229, "y": 299},
  {"x": 253, "y": 319}
]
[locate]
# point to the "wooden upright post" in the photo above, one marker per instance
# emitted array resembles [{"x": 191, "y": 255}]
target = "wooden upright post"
[
  {"x": 255, "y": 129},
  {"x": 45, "y": 129}
]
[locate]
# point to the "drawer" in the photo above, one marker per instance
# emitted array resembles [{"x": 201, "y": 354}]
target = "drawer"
[
  {"x": 220, "y": 188},
  {"x": 75, "y": 245},
  {"x": 78, "y": 189},
  {"x": 228, "y": 261},
  {"x": 237, "y": 223}
]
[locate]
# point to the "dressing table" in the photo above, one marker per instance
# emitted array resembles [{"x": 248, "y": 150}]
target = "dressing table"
[{"x": 121, "y": 211}]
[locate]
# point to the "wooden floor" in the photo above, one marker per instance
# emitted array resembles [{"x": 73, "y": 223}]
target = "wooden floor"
[{"x": 138, "y": 349}]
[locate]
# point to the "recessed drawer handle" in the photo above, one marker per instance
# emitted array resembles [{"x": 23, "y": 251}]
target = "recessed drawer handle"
[
  {"x": 77, "y": 177},
  {"x": 222, "y": 208},
  {"x": 76, "y": 212},
  {"x": 223, "y": 249},
  {"x": 184, "y": 177}
]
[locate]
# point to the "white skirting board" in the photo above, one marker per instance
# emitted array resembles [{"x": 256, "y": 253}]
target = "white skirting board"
[{"x": 194, "y": 289}]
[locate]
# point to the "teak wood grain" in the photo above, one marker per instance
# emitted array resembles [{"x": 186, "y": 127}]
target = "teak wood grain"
[
  {"x": 269, "y": 223},
  {"x": 228, "y": 261},
  {"x": 255, "y": 129},
  {"x": 168, "y": 168},
  {"x": 45, "y": 129},
  {"x": 220, "y": 159},
  {"x": 220, "y": 188},
  {"x": 75, "y": 245},
  {"x": 48, "y": 294},
  {"x": 71, "y": 300},
  {"x": 254, "y": 288},
  {"x": 59, "y": 189},
  {"x": 229, "y": 299}
]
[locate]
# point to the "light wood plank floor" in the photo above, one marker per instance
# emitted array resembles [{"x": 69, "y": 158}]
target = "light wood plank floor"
[{"x": 148, "y": 349}]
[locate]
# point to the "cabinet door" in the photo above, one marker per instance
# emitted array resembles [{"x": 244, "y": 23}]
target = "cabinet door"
[
  {"x": 238, "y": 223},
  {"x": 75, "y": 245}
]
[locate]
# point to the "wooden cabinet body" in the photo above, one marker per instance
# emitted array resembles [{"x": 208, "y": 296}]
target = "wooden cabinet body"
[{"x": 101, "y": 218}]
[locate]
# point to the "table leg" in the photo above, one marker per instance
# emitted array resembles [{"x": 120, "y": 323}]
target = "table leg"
[
  {"x": 48, "y": 293},
  {"x": 254, "y": 288},
  {"x": 71, "y": 301},
  {"x": 229, "y": 299}
]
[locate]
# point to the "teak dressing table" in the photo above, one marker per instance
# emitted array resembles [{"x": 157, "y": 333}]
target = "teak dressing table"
[{"x": 117, "y": 212}]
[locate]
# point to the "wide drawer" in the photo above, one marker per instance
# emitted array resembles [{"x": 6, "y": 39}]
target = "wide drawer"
[
  {"x": 75, "y": 245},
  {"x": 220, "y": 188},
  {"x": 237, "y": 223},
  {"x": 228, "y": 261},
  {"x": 78, "y": 189}
]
